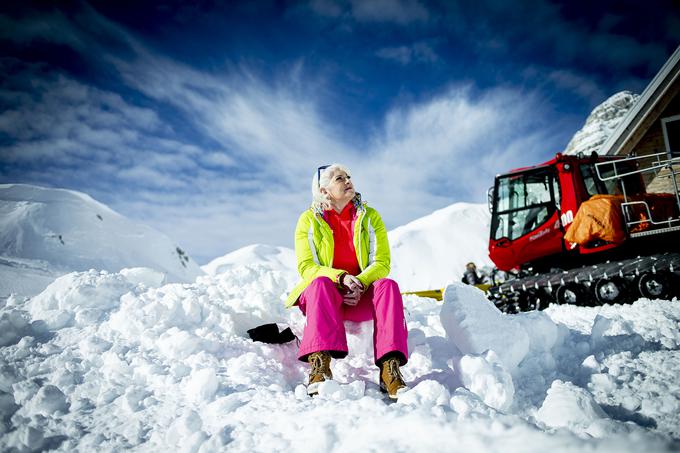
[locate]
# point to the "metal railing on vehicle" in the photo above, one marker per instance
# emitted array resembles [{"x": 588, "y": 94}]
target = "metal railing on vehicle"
[{"x": 659, "y": 162}]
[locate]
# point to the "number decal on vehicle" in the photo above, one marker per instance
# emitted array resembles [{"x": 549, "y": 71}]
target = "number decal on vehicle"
[{"x": 567, "y": 218}]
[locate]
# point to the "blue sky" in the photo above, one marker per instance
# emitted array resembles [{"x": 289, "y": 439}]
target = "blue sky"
[{"x": 208, "y": 120}]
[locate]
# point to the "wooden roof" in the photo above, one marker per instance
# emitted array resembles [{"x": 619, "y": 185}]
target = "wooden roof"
[{"x": 656, "y": 97}]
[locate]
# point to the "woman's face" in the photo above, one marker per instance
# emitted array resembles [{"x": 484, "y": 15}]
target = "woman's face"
[{"x": 340, "y": 189}]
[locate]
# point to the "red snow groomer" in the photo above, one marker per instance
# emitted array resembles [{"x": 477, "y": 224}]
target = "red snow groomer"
[{"x": 585, "y": 231}]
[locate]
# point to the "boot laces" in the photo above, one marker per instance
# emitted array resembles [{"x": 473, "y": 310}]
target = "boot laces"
[
  {"x": 393, "y": 370},
  {"x": 318, "y": 365}
]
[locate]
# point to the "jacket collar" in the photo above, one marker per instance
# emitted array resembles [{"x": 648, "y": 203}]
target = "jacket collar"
[{"x": 359, "y": 205}]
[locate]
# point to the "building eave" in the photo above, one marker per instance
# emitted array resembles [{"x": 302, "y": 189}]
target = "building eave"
[{"x": 659, "y": 85}]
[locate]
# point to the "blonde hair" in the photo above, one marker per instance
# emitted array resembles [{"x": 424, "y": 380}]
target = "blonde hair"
[{"x": 321, "y": 201}]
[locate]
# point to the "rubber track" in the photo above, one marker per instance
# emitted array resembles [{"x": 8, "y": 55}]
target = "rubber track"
[{"x": 511, "y": 291}]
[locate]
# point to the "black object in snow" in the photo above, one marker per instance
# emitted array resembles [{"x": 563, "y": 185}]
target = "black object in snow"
[{"x": 269, "y": 333}]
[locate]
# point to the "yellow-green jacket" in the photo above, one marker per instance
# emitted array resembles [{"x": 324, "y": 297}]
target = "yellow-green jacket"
[{"x": 314, "y": 249}]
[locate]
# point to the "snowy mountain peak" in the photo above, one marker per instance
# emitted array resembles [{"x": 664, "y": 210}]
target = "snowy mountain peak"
[
  {"x": 47, "y": 232},
  {"x": 601, "y": 122}
]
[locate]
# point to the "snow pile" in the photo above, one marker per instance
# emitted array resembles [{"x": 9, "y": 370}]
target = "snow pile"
[
  {"x": 108, "y": 362},
  {"x": 80, "y": 299},
  {"x": 601, "y": 123},
  {"x": 618, "y": 358},
  {"x": 276, "y": 258},
  {"x": 45, "y": 233},
  {"x": 432, "y": 251},
  {"x": 103, "y": 361},
  {"x": 632, "y": 359}
]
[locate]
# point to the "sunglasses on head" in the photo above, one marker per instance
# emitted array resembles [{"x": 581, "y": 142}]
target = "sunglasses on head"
[{"x": 318, "y": 174}]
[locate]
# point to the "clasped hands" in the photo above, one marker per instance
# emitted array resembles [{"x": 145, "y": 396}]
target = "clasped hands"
[{"x": 354, "y": 289}]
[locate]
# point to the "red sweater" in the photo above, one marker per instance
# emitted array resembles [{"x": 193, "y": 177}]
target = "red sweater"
[{"x": 344, "y": 254}]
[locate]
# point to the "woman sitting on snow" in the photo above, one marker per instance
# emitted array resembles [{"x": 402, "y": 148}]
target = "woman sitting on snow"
[{"x": 343, "y": 258}]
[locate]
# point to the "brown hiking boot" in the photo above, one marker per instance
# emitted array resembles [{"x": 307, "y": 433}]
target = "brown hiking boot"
[
  {"x": 321, "y": 370},
  {"x": 391, "y": 380}
]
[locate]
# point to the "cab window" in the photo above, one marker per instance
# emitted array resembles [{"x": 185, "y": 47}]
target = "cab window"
[{"x": 524, "y": 202}]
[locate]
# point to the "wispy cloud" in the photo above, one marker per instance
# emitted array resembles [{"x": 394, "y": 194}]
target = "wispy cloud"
[
  {"x": 424, "y": 156},
  {"x": 420, "y": 52},
  {"x": 328, "y": 8},
  {"x": 449, "y": 148},
  {"x": 580, "y": 85},
  {"x": 256, "y": 125},
  {"x": 51, "y": 27},
  {"x": 396, "y": 11},
  {"x": 399, "y": 12}
]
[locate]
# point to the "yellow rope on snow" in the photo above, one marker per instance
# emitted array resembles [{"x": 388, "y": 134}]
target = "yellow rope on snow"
[{"x": 439, "y": 293}]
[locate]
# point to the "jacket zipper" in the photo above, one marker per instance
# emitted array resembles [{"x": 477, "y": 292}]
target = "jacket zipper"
[
  {"x": 322, "y": 223},
  {"x": 358, "y": 236}
]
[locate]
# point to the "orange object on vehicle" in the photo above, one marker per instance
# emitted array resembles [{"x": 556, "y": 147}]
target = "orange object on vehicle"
[{"x": 598, "y": 218}]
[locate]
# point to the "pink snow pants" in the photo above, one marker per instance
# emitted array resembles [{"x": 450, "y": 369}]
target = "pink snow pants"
[{"x": 322, "y": 304}]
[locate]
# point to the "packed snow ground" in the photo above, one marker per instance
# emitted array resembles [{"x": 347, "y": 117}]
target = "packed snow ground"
[{"x": 103, "y": 361}]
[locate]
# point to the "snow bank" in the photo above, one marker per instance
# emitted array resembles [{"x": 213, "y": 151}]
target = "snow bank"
[
  {"x": 579, "y": 357},
  {"x": 132, "y": 356},
  {"x": 274, "y": 258},
  {"x": 113, "y": 360},
  {"x": 431, "y": 251}
]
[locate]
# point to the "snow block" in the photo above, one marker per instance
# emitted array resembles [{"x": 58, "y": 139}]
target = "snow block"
[
  {"x": 146, "y": 276},
  {"x": 333, "y": 390},
  {"x": 25, "y": 438},
  {"x": 427, "y": 393},
  {"x": 49, "y": 400},
  {"x": 607, "y": 327},
  {"x": 542, "y": 331},
  {"x": 186, "y": 432},
  {"x": 467, "y": 404},
  {"x": 475, "y": 325},
  {"x": 13, "y": 324},
  {"x": 201, "y": 385},
  {"x": 485, "y": 376},
  {"x": 569, "y": 406}
]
